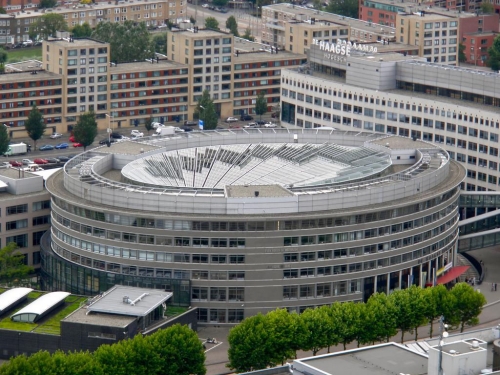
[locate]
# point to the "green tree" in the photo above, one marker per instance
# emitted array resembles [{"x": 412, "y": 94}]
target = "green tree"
[
  {"x": 75, "y": 363},
  {"x": 211, "y": 23},
  {"x": 34, "y": 125},
  {"x": 12, "y": 265},
  {"x": 47, "y": 3},
  {"x": 149, "y": 124},
  {"x": 4, "y": 139},
  {"x": 180, "y": 350},
  {"x": 348, "y": 321},
  {"x": 347, "y": 8},
  {"x": 300, "y": 333},
  {"x": 436, "y": 303},
  {"x": 467, "y": 305},
  {"x": 128, "y": 41},
  {"x": 281, "y": 331},
  {"x": 82, "y": 31},
  {"x": 192, "y": 20},
  {"x": 85, "y": 129},
  {"x": 248, "y": 35},
  {"x": 3, "y": 59},
  {"x": 232, "y": 25},
  {"x": 382, "y": 316},
  {"x": 47, "y": 25},
  {"x": 2, "y": 11},
  {"x": 494, "y": 55},
  {"x": 417, "y": 307},
  {"x": 316, "y": 330},
  {"x": 160, "y": 43},
  {"x": 406, "y": 319},
  {"x": 205, "y": 110},
  {"x": 249, "y": 345},
  {"x": 461, "y": 53},
  {"x": 487, "y": 7},
  {"x": 261, "y": 104}
]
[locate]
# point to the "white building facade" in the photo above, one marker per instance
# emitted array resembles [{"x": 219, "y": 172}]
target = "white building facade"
[{"x": 394, "y": 94}]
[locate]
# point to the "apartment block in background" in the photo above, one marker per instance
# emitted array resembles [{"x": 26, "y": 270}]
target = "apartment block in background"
[{"x": 152, "y": 12}]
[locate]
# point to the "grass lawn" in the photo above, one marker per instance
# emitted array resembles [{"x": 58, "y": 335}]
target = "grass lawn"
[
  {"x": 6, "y": 323},
  {"x": 53, "y": 325},
  {"x": 21, "y": 54},
  {"x": 175, "y": 310}
]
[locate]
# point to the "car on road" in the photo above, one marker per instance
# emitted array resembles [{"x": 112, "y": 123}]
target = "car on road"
[
  {"x": 246, "y": 118},
  {"x": 232, "y": 119},
  {"x": 270, "y": 125},
  {"x": 60, "y": 146},
  {"x": 55, "y": 135},
  {"x": 205, "y": 6},
  {"x": 136, "y": 133},
  {"x": 46, "y": 148},
  {"x": 105, "y": 140},
  {"x": 72, "y": 138},
  {"x": 27, "y": 161},
  {"x": 77, "y": 144},
  {"x": 116, "y": 135},
  {"x": 15, "y": 163},
  {"x": 53, "y": 160},
  {"x": 40, "y": 161},
  {"x": 63, "y": 159}
]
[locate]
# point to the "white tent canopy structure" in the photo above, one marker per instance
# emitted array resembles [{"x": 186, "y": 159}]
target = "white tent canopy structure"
[
  {"x": 40, "y": 307},
  {"x": 12, "y": 297}
]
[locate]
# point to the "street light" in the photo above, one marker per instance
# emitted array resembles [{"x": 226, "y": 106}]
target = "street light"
[
  {"x": 442, "y": 335},
  {"x": 109, "y": 127}
]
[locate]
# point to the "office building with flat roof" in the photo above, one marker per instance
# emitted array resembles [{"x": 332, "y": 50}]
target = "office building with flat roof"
[
  {"x": 237, "y": 222},
  {"x": 389, "y": 93}
]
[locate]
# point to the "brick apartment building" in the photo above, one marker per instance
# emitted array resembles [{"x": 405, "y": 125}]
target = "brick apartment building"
[
  {"x": 154, "y": 12},
  {"x": 476, "y": 47}
]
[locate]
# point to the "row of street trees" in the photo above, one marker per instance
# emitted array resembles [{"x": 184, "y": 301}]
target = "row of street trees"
[
  {"x": 269, "y": 340},
  {"x": 172, "y": 351}
]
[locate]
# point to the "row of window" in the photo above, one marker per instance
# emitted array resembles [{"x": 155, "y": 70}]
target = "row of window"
[
  {"x": 409, "y": 86},
  {"x": 251, "y": 226},
  {"x": 322, "y": 290},
  {"x": 23, "y": 208},
  {"x": 220, "y": 315},
  {"x": 155, "y": 73},
  {"x": 219, "y": 294},
  {"x": 21, "y": 240}
]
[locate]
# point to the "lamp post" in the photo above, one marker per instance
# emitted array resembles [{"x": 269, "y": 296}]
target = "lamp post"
[
  {"x": 109, "y": 127},
  {"x": 442, "y": 335}
]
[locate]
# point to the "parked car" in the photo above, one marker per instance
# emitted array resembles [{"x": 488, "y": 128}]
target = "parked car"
[
  {"x": 60, "y": 146},
  {"x": 270, "y": 125},
  {"x": 260, "y": 122},
  {"x": 40, "y": 161},
  {"x": 190, "y": 123},
  {"x": 116, "y": 135},
  {"x": 156, "y": 125},
  {"x": 46, "y": 148},
  {"x": 27, "y": 43},
  {"x": 27, "y": 161},
  {"x": 105, "y": 140},
  {"x": 72, "y": 138},
  {"x": 15, "y": 163},
  {"x": 53, "y": 160},
  {"x": 5, "y": 164},
  {"x": 205, "y": 6},
  {"x": 63, "y": 159},
  {"x": 232, "y": 119},
  {"x": 55, "y": 135},
  {"x": 77, "y": 144},
  {"x": 136, "y": 133},
  {"x": 246, "y": 118}
]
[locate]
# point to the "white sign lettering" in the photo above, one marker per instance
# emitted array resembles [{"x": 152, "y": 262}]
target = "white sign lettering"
[{"x": 343, "y": 47}]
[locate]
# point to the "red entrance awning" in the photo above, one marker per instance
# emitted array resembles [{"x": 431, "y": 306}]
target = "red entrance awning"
[{"x": 452, "y": 274}]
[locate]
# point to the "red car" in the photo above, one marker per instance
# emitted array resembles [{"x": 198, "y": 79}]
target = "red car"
[
  {"x": 15, "y": 163},
  {"x": 40, "y": 161},
  {"x": 77, "y": 144},
  {"x": 72, "y": 138}
]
